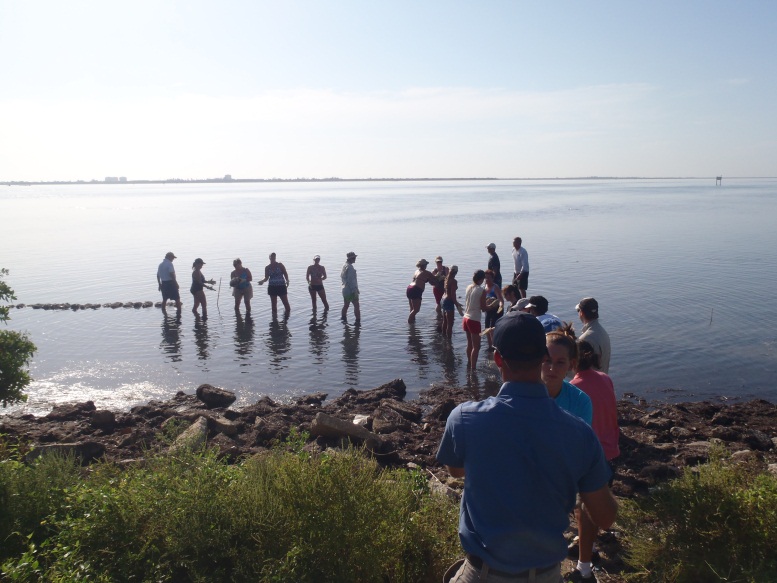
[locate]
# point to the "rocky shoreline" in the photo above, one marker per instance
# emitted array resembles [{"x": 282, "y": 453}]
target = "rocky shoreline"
[{"x": 657, "y": 439}]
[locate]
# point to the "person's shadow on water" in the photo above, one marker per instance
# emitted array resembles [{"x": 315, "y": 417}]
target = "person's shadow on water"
[
  {"x": 350, "y": 345},
  {"x": 171, "y": 338},
  {"x": 278, "y": 343},
  {"x": 319, "y": 338},
  {"x": 201, "y": 339},
  {"x": 244, "y": 337}
]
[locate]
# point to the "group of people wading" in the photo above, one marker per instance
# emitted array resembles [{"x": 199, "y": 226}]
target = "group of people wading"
[{"x": 276, "y": 277}]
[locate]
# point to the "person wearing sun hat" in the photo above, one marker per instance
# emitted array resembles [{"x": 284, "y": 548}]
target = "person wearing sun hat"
[
  {"x": 416, "y": 288},
  {"x": 350, "y": 286},
  {"x": 523, "y": 460},
  {"x": 168, "y": 285}
]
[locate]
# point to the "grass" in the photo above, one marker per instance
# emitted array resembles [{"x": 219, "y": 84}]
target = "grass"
[
  {"x": 286, "y": 516},
  {"x": 717, "y": 522}
]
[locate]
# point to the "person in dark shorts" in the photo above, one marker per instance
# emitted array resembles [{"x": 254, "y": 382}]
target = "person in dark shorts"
[
  {"x": 415, "y": 290},
  {"x": 494, "y": 264},
  {"x": 278, "y": 280},
  {"x": 168, "y": 284},
  {"x": 240, "y": 282},
  {"x": 198, "y": 288},
  {"x": 521, "y": 266},
  {"x": 315, "y": 276}
]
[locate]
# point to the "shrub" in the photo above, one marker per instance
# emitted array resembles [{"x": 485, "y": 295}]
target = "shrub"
[
  {"x": 280, "y": 517},
  {"x": 714, "y": 523}
]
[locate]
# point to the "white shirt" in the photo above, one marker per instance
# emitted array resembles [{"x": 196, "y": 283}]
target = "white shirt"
[
  {"x": 166, "y": 271},
  {"x": 521, "y": 260}
]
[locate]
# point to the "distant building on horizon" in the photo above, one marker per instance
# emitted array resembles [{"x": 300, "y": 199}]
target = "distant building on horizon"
[{"x": 111, "y": 179}]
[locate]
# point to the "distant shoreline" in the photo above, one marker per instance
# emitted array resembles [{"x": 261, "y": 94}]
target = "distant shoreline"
[{"x": 274, "y": 180}]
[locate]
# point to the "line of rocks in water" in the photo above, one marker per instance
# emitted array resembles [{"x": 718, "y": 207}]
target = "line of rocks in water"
[{"x": 76, "y": 307}]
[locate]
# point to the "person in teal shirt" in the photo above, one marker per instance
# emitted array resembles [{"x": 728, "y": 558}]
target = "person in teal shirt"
[{"x": 562, "y": 357}]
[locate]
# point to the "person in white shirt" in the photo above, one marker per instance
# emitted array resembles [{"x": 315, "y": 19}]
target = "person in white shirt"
[
  {"x": 350, "y": 286},
  {"x": 593, "y": 332},
  {"x": 521, "y": 261},
  {"x": 168, "y": 285}
]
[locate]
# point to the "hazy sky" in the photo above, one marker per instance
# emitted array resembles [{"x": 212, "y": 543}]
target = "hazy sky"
[{"x": 289, "y": 89}]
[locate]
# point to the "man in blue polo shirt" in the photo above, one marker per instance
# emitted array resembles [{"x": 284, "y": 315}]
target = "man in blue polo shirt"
[{"x": 523, "y": 460}]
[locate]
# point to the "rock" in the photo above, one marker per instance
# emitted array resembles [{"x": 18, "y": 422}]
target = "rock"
[
  {"x": 441, "y": 411},
  {"x": 137, "y": 305},
  {"x": 744, "y": 456},
  {"x": 659, "y": 472},
  {"x": 772, "y": 469},
  {"x": 215, "y": 397},
  {"x": 758, "y": 440},
  {"x": 362, "y": 420},
  {"x": 649, "y": 422},
  {"x": 437, "y": 488},
  {"x": 314, "y": 399},
  {"x": 103, "y": 419},
  {"x": 409, "y": 412},
  {"x": 222, "y": 425},
  {"x": 723, "y": 418},
  {"x": 19, "y": 306},
  {"x": 193, "y": 438},
  {"x": 680, "y": 433},
  {"x": 395, "y": 390},
  {"x": 71, "y": 411},
  {"x": 725, "y": 433},
  {"x": 328, "y": 426},
  {"x": 86, "y": 451},
  {"x": 386, "y": 420}
]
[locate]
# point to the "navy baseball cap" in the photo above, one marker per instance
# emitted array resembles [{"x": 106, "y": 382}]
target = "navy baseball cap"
[{"x": 520, "y": 336}]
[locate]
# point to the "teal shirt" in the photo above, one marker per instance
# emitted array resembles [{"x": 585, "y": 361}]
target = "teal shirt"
[{"x": 575, "y": 401}]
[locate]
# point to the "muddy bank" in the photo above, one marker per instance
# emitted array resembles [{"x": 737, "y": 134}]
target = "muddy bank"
[{"x": 657, "y": 439}]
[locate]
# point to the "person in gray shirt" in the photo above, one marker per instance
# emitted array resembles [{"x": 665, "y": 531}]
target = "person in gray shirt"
[{"x": 593, "y": 332}]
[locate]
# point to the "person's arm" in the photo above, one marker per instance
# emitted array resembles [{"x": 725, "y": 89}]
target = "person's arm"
[
  {"x": 249, "y": 277},
  {"x": 323, "y": 273},
  {"x": 175, "y": 279},
  {"x": 600, "y": 506},
  {"x": 158, "y": 280},
  {"x": 455, "y": 472},
  {"x": 285, "y": 275},
  {"x": 483, "y": 301},
  {"x": 266, "y": 275},
  {"x": 307, "y": 275}
]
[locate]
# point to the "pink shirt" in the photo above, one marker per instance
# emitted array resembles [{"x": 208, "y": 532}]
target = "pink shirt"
[{"x": 598, "y": 386}]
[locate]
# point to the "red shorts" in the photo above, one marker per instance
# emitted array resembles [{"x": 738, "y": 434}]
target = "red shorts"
[
  {"x": 471, "y": 326},
  {"x": 438, "y": 293}
]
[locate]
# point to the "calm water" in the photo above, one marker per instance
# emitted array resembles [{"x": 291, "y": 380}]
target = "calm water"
[{"x": 684, "y": 272}]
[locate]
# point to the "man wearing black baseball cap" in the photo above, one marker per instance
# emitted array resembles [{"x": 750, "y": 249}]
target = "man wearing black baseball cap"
[{"x": 523, "y": 460}]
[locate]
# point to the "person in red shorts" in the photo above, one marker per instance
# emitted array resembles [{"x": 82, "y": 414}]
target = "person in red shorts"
[{"x": 474, "y": 305}]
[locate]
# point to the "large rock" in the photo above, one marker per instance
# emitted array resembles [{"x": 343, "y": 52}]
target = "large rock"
[
  {"x": 193, "y": 438},
  {"x": 215, "y": 397},
  {"x": 328, "y": 426},
  {"x": 103, "y": 419},
  {"x": 758, "y": 440},
  {"x": 71, "y": 411}
]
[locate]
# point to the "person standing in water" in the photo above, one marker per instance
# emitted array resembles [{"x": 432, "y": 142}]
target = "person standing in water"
[
  {"x": 440, "y": 272},
  {"x": 168, "y": 285},
  {"x": 198, "y": 288},
  {"x": 278, "y": 280},
  {"x": 416, "y": 288},
  {"x": 315, "y": 277},
  {"x": 240, "y": 281},
  {"x": 350, "y": 287}
]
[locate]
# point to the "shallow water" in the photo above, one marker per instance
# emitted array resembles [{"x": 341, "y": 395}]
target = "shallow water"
[{"x": 684, "y": 272}]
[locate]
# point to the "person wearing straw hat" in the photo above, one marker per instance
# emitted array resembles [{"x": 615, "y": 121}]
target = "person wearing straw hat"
[
  {"x": 350, "y": 287},
  {"x": 415, "y": 290}
]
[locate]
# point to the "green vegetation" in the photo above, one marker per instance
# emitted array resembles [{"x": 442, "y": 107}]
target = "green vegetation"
[
  {"x": 16, "y": 350},
  {"x": 285, "y": 516},
  {"x": 717, "y": 522}
]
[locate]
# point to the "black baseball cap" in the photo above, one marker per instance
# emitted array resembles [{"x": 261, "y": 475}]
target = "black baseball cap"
[{"x": 520, "y": 336}]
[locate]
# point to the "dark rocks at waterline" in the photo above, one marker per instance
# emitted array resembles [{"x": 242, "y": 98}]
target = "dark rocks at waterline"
[
  {"x": 76, "y": 307},
  {"x": 215, "y": 397},
  {"x": 398, "y": 432}
]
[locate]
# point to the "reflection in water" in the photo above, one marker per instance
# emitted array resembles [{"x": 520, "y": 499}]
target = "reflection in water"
[
  {"x": 279, "y": 343},
  {"x": 201, "y": 339},
  {"x": 171, "y": 338},
  {"x": 351, "y": 352},
  {"x": 319, "y": 339},
  {"x": 244, "y": 338},
  {"x": 418, "y": 352},
  {"x": 450, "y": 360}
]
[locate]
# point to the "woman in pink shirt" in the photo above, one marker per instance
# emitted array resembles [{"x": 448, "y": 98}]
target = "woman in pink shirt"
[{"x": 598, "y": 386}]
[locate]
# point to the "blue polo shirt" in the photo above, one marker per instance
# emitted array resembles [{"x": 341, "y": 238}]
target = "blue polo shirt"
[{"x": 525, "y": 460}]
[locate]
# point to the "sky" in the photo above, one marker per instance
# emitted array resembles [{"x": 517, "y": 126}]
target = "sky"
[{"x": 197, "y": 89}]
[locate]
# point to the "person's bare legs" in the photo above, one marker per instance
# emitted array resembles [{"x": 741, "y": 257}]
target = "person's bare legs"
[
  {"x": 475, "y": 350},
  {"x": 469, "y": 349},
  {"x": 237, "y": 302},
  {"x": 415, "y": 307},
  {"x": 313, "y": 298},
  {"x": 356, "y": 311},
  {"x": 587, "y": 532},
  {"x": 247, "y": 302},
  {"x": 322, "y": 295},
  {"x": 274, "y": 304},
  {"x": 345, "y": 309},
  {"x": 286, "y": 306}
]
